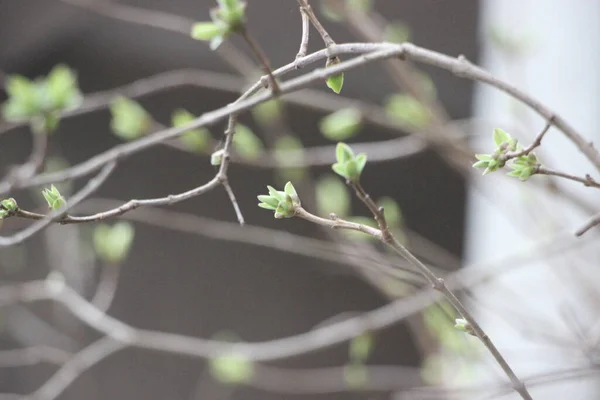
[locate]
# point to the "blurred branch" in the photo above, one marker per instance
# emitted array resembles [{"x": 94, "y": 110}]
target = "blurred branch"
[
  {"x": 160, "y": 20},
  {"x": 75, "y": 367},
  {"x": 32, "y": 355},
  {"x": 33, "y": 164},
  {"x": 385, "y": 236}
]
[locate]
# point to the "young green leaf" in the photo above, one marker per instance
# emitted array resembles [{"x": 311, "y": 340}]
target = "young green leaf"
[
  {"x": 290, "y": 190},
  {"x": 206, "y": 30},
  {"x": 501, "y": 137},
  {"x": 269, "y": 200},
  {"x": 343, "y": 152},
  {"x": 23, "y": 99},
  {"x": 341, "y": 125},
  {"x": 340, "y": 169},
  {"x": 361, "y": 162},
  {"x": 62, "y": 91},
  {"x": 335, "y": 82}
]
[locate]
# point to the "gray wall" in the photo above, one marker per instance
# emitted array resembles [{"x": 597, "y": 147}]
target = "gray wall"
[{"x": 196, "y": 286}]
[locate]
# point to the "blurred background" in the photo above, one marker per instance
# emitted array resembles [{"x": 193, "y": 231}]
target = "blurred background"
[{"x": 192, "y": 270}]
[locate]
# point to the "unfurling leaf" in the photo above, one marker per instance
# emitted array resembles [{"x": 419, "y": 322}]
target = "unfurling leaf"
[
  {"x": 53, "y": 197},
  {"x": 501, "y": 137}
]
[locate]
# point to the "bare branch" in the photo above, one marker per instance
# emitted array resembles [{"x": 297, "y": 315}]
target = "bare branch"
[
  {"x": 236, "y": 206},
  {"x": 458, "y": 66},
  {"x": 586, "y": 181},
  {"x": 594, "y": 221},
  {"x": 161, "y": 20},
  {"x": 316, "y": 23},
  {"x": 33, "y": 164},
  {"x": 437, "y": 283},
  {"x": 305, "y": 34},
  {"x": 75, "y": 367},
  {"x": 536, "y": 143}
]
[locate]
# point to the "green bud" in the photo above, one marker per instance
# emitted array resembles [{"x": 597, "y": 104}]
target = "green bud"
[
  {"x": 464, "y": 326},
  {"x": 9, "y": 204},
  {"x": 216, "y": 158},
  {"x": 335, "y": 82},
  {"x": 232, "y": 369},
  {"x": 53, "y": 197}
]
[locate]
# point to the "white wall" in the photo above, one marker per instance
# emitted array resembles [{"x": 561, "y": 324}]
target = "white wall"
[{"x": 562, "y": 68}]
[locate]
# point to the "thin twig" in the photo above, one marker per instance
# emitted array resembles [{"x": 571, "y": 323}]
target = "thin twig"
[
  {"x": 594, "y": 221},
  {"x": 536, "y": 143},
  {"x": 233, "y": 200},
  {"x": 259, "y": 236},
  {"x": 125, "y": 207},
  {"x": 88, "y": 189},
  {"x": 33, "y": 164},
  {"x": 262, "y": 58},
  {"x": 587, "y": 180},
  {"x": 458, "y": 66},
  {"x": 303, "y": 343},
  {"x": 316, "y": 23},
  {"x": 305, "y": 34},
  {"x": 437, "y": 283},
  {"x": 107, "y": 286}
]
